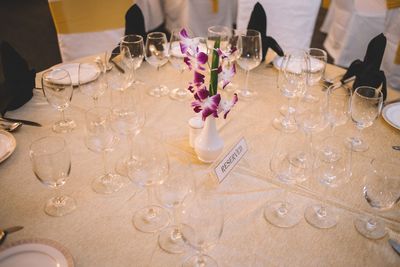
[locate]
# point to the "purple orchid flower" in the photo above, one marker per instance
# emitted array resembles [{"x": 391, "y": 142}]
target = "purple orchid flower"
[
  {"x": 188, "y": 45},
  {"x": 226, "y": 74},
  {"x": 207, "y": 105},
  {"x": 197, "y": 64},
  {"x": 226, "y": 106}
]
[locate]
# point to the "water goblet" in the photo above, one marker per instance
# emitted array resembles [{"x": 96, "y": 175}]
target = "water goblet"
[
  {"x": 381, "y": 190},
  {"x": 284, "y": 213},
  {"x": 250, "y": 56},
  {"x": 156, "y": 53},
  {"x": 338, "y": 106},
  {"x": 172, "y": 193},
  {"x": 100, "y": 138},
  {"x": 149, "y": 169},
  {"x": 176, "y": 59},
  {"x": 51, "y": 163},
  {"x": 136, "y": 48},
  {"x": 57, "y": 87},
  {"x": 204, "y": 218},
  {"x": 331, "y": 171},
  {"x": 221, "y": 33},
  {"x": 365, "y": 108},
  {"x": 93, "y": 88}
]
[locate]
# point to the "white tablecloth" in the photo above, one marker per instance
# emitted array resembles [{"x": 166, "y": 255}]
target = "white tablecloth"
[{"x": 100, "y": 231}]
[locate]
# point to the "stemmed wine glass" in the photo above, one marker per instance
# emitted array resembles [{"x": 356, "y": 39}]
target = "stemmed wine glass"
[
  {"x": 233, "y": 54},
  {"x": 250, "y": 51},
  {"x": 338, "y": 106},
  {"x": 149, "y": 169},
  {"x": 128, "y": 119},
  {"x": 331, "y": 171},
  {"x": 176, "y": 59},
  {"x": 221, "y": 33},
  {"x": 51, "y": 163},
  {"x": 101, "y": 139},
  {"x": 204, "y": 218},
  {"x": 172, "y": 193},
  {"x": 57, "y": 87},
  {"x": 382, "y": 191},
  {"x": 317, "y": 64},
  {"x": 136, "y": 48},
  {"x": 284, "y": 213},
  {"x": 120, "y": 76},
  {"x": 156, "y": 52},
  {"x": 93, "y": 88},
  {"x": 365, "y": 108}
]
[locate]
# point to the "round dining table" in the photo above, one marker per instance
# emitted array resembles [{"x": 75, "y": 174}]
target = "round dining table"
[{"x": 100, "y": 231}]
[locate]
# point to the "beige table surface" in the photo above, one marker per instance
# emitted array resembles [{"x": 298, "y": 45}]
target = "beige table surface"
[{"x": 100, "y": 232}]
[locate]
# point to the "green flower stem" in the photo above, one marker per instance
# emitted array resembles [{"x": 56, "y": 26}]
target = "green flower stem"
[{"x": 214, "y": 69}]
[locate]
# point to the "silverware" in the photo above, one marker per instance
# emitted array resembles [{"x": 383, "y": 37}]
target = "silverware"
[
  {"x": 395, "y": 245},
  {"x": 26, "y": 122},
  {"x": 119, "y": 68},
  {"x": 5, "y": 232},
  {"x": 396, "y": 147},
  {"x": 9, "y": 126}
]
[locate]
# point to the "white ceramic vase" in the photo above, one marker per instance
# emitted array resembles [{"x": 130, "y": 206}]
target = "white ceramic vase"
[{"x": 209, "y": 145}]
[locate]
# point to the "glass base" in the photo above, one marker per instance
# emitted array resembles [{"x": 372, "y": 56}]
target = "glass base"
[
  {"x": 64, "y": 126},
  {"x": 282, "y": 214},
  {"x": 150, "y": 219},
  {"x": 180, "y": 94},
  {"x": 200, "y": 260},
  {"x": 356, "y": 144},
  {"x": 284, "y": 110},
  {"x": 121, "y": 166},
  {"x": 159, "y": 91},
  {"x": 170, "y": 240},
  {"x": 246, "y": 94},
  {"x": 322, "y": 220},
  {"x": 108, "y": 184},
  {"x": 284, "y": 126},
  {"x": 370, "y": 228},
  {"x": 60, "y": 206}
]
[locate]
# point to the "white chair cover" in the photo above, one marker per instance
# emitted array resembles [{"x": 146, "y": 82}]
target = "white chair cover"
[
  {"x": 392, "y": 33},
  {"x": 152, "y": 12},
  {"x": 350, "y": 25},
  {"x": 291, "y": 23}
]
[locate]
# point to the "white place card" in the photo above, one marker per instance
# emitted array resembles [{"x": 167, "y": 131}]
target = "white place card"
[{"x": 231, "y": 160}]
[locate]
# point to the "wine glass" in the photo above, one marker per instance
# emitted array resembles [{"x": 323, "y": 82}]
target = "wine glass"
[
  {"x": 317, "y": 60},
  {"x": 221, "y": 33},
  {"x": 338, "y": 106},
  {"x": 57, "y": 87},
  {"x": 176, "y": 59},
  {"x": 382, "y": 191},
  {"x": 120, "y": 76},
  {"x": 365, "y": 108},
  {"x": 204, "y": 218},
  {"x": 93, "y": 88},
  {"x": 100, "y": 138},
  {"x": 51, "y": 163},
  {"x": 176, "y": 188},
  {"x": 136, "y": 48},
  {"x": 250, "y": 51},
  {"x": 149, "y": 169},
  {"x": 284, "y": 213},
  {"x": 331, "y": 171},
  {"x": 128, "y": 119},
  {"x": 156, "y": 52}
]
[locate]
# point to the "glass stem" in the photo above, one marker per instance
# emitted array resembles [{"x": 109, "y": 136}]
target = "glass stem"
[
  {"x": 283, "y": 209},
  {"x": 246, "y": 83},
  {"x": 105, "y": 168},
  {"x": 151, "y": 213},
  {"x": 131, "y": 150},
  {"x": 95, "y": 101},
  {"x": 63, "y": 115},
  {"x": 134, "y": 75},
  {"x": 288, "y": 116},
  {"x": 321, "y": 212}
]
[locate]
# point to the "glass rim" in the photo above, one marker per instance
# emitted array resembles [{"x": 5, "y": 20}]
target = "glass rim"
[
  {"x": 254, "y": 33},
  {"x": 221, "y": 27},
  {"x": 66, "y": 74},
  {"x": 324, "y": 53},
  {"x": 140, "y": 39},
  {"x": 38, "y": 141},
  {"x": 151, "y": 35},
  {"x": 369, "y": 87}
]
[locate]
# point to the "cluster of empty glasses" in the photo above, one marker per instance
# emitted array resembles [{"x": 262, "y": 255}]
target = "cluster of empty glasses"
[{"x": 312, "y": 107}]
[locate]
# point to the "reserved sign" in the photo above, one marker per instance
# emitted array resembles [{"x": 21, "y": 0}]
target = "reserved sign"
[{"x": 231, "y": 159}]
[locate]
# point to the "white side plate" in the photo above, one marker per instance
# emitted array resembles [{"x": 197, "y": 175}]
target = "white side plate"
[
  {"x": 91, "y": 73},
  {"x": 7, "y": 145},
  {"x": 35, "y": 253},
  {"x": 391, "y": 114}
]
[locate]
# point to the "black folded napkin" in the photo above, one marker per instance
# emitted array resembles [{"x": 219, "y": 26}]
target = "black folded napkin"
[
  {"x": 134, "y": 22},
  {"x": 17, "y": 88},
  {"x": 368, "y": 72},
  {"x": 258, "y": 22}
]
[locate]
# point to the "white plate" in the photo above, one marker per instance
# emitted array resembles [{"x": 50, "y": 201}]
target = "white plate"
[
  {"x": 91, "y": 72},
  {"x": 7, "y": 145},
  {"x": 391, "y": 114},
  {"x": 35, "y": 253}
]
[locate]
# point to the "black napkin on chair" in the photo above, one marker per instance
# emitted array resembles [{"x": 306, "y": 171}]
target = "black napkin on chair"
[
  {"x": 17, "y": 88},
  {"x": 368, "y": 72},
  {"x": 134, "y": 22},
  {"x": 258, "y": 22}
]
